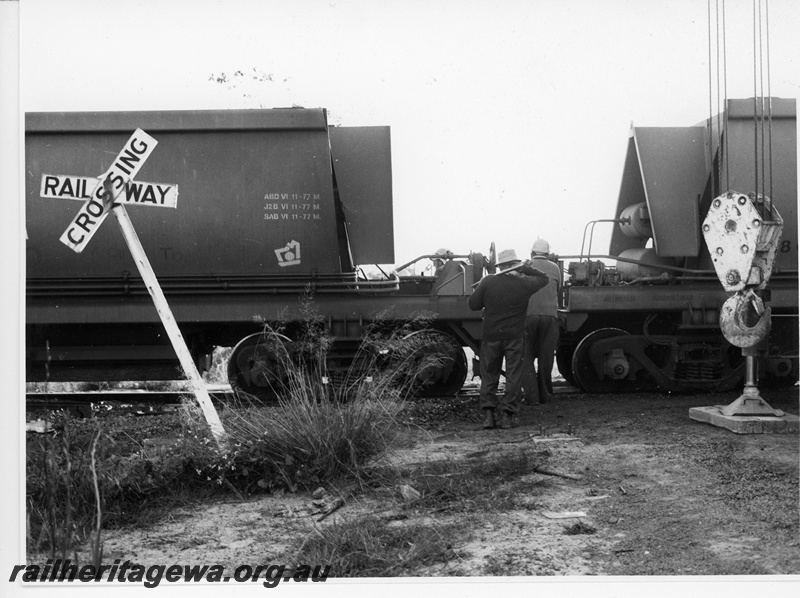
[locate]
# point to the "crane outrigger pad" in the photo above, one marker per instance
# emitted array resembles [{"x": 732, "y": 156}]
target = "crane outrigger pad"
[{"x": 746, "y": 424}]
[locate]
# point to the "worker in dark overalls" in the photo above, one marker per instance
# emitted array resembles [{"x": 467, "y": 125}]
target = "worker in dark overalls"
[{"x": 503, "y": 297}]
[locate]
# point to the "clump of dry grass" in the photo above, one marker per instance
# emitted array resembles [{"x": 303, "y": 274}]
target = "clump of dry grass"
[
  {"x": 303, "y": 441},
  {"x": 323, "y": 426},
  {"x": 579, "y": 528}
]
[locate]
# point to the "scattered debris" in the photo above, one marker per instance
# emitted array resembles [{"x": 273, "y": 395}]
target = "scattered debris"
[
  {"x": 476, "y": 454},
  {"x": 330, "y": 507},
  {"x": 621, "y": 489},
  {"x": 409, "y": 494},
  {"x": 569, "y": 476},
  {"x": 322, "y": 504},
  {"x": 290, "y": 511},
  {"x": 563, "y": 514},
  {"x": 39, "y": 426}
]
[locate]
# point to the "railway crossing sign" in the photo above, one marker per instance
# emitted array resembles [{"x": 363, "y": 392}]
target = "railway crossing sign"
[
  {"x": 125, "y": 166},
  {"x": 107, "y": 196}
]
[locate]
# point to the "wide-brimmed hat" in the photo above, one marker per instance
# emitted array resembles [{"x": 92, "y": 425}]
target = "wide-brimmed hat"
[{"x": 507, "y": 256}]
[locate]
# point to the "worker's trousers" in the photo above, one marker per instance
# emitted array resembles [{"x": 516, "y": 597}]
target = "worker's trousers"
[
  {"x": 541, "y": 342},
  {"x": 492, "y": 354}
]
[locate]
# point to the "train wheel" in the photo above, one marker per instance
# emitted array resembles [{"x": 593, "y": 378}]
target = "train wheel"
[
  {"x": 256, "y": 367},
  {"x": 439, "y": 367},
  {"x": 584, "y": 372},
  {"x": 564, "y": 361}
]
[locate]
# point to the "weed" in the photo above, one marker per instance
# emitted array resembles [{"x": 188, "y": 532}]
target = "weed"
[
  {"x": 578, "y": 529},
  {"x": 476, "y": 485},
  {"x": 297, "y": 444},
  {"x": 370, "y": 547},
  {"x": 327, "y": 424}
]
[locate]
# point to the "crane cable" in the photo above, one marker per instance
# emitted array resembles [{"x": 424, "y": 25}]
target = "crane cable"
[
  {"x": 722, "y": 126},
  {"x": 725, "y": 80},
  {"x": 719, "y": 111},
  {"x": 766, "y": 108},
  {"x": 769, "y": 94},
  {"x": 762, "y": 106},
  {"x": 710, "y": 103},
  {"x": 761, "y": 95}
]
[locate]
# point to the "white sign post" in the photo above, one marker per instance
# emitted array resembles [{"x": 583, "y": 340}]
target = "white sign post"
[{"x": 107, "y": 195}]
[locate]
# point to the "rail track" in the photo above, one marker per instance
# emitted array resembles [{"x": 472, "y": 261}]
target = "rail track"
[{"x": 82, "y": 402}]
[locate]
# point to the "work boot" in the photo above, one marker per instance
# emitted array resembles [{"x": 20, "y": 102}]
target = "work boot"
[
  {"x": 509, "y": 420},
  {"x": 545, "y": 397},
  {"x": 488, "y": 420}
]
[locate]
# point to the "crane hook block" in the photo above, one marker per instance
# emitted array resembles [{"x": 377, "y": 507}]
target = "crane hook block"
[
  {"x": 742, "y": 234},
  {"x": 744, "y": 319}
]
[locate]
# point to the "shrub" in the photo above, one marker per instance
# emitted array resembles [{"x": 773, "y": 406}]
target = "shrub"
[
  {"x": 304, "y": 440},
  {"x": 322, "y": 428}
]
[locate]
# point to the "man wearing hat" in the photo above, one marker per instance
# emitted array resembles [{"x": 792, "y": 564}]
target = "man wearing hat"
[
  {"x": 503, "y": 297},
  {"x": 442, "y": 255},
  {"x": 541, "y": 328}
]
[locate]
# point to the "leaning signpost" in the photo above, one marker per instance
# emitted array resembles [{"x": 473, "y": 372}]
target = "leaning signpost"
[{"x": 108, "y": 193}]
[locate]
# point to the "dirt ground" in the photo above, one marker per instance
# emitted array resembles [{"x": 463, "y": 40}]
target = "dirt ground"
[{"x": 660, "y": 493}]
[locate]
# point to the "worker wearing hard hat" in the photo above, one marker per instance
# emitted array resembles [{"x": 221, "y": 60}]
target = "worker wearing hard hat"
[
  {"x": 503, "y": 297},
  {"x": 541, "y": 329},
  {"x": 442, "y": 255}
]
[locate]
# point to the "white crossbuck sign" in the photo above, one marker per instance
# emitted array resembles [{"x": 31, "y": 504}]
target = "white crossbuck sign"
[
  {"x": 106, "y": 196},
  {"x": 107, "y": 189}
]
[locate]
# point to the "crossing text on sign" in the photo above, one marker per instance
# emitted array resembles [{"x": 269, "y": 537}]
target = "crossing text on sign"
[{"x": 123, "y": 169}]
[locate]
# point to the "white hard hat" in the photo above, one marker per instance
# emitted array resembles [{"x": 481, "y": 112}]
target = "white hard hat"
[{"x": 540, "y": 246}]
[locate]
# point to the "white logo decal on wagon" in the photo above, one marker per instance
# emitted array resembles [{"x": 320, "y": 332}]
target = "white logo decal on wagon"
[{"x": 289, "y": 255}]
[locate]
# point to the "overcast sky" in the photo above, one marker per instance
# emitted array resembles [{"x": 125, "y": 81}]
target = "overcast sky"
[{"x": 509, "y": 119}]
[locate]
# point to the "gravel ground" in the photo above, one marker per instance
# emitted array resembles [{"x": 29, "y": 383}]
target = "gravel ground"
[{"x": 619, "y": 485}]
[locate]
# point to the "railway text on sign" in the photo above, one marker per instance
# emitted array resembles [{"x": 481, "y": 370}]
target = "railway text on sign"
[{"x": 59, "y": 186}]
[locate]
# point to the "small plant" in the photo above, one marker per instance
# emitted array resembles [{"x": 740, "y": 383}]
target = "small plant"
[
  {"x": 479, "y": 485},
  {"x": 578, "y": 529},
  {"x": 370, "y": 548}
]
